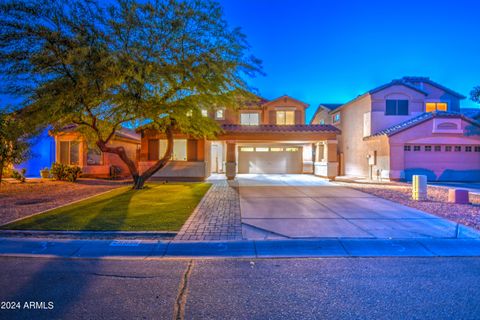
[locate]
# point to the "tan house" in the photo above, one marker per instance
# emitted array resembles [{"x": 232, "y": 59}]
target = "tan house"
[
  {"x": 72, "y": 149},
  {"x": 268, "y": 137},
  {"x": 408, "y": 126}
]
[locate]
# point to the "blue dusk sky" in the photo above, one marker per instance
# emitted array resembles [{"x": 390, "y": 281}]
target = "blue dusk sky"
[{"x": 330, "y": 51}]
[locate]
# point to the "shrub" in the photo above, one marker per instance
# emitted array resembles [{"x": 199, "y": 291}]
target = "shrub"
[
  {"x": 45, "y": 173},
  {"x": 64, "y": 172},
  {"x": 19, "y": 175}
]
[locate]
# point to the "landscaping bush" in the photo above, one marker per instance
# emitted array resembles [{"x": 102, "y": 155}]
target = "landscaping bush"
[
  {"x": 19, "y": 175},
  {"x": 45, "y": 173},
  {"x": 64, "y": 172}
]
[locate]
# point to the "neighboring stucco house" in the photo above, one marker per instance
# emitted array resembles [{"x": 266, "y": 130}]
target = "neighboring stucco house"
[
  {"x": 72, "y": 149},
  {"x": 266, "y": 137},
  {"x": 408, "y": 126}
]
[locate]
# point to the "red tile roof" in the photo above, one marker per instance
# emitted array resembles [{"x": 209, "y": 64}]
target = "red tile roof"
[{"x": 281, "y": 128}]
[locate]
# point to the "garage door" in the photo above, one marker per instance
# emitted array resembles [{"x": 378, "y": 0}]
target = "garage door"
[
  {"x": 269, "y": 159},
  {"x": 443, "y": 162}
]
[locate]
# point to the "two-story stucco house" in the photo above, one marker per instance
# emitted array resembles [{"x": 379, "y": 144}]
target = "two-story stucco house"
[
  {"x": 405, "y": 127},
  {"x": 267, "y": 137}
]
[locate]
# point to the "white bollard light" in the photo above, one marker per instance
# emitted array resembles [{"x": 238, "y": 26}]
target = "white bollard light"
[{"x": 419, "y": 187}]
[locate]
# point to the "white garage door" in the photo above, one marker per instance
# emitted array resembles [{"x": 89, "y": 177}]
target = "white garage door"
[
  {"x": 269, "y": 159},
  {"x": 443, "y": 162}
]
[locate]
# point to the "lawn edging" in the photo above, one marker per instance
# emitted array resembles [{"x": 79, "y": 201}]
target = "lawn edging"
[{"x": 164, "y": 235}]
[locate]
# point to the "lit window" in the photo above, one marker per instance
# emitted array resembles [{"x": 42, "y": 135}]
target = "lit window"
[
  {"x": 276, "y": 149},
  {"x": 468, "y": 149},
  {"x": 336, "y": 118},
  {"x": 322, "y": 121},
  {"x": 249, "y": 119},
  {"x": 220, "y": 114},
  {"x": 94, "y": 157},
  {"x": 396, "y": 108},
  {"x": 477, "y": 148},
  {"x": 416, "y": 148},
  {"x": 407, "y": 148},
  {"x": 157, "y": 148},
  {"x": 438, "y": 148},
  {"x": 69, "y": 152},
  {"x": 458, "y": 148},
  {"x": 261, "y": 149},
  {"x": 428, "y": 148},
  {"x": 448, "y": 148},
  {"x": 189, "y": 113},
  {"x": 285, "y": 117},
  {"x": 436, "y": 106},
  {"x": 204, "y": 112},
  {"x": 246, "y": 149},
  {"x": 291, "y": 149}
]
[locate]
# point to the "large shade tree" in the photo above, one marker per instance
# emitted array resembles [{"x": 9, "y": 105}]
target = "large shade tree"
[
  {"x": 152, "y": 63},
  {"x": 475, "y": 94}
]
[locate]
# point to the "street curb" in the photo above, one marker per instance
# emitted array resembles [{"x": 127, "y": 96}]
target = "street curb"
[
  {"x": 93, "y": 235},
  {"x": 250, "y": 249}
]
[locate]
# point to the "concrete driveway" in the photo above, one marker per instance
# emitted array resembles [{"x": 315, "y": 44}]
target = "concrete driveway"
[{"x": 305, "y": 206}]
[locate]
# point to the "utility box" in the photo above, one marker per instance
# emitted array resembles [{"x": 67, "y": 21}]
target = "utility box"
[
  {"x": 458, "y": 196},
  {"x": 419, "y": 187}
]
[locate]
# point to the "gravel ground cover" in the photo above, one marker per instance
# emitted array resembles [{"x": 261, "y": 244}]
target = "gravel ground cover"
[
  {"x": 467, "y": 214},
  {"x": 18, "y": 200}
]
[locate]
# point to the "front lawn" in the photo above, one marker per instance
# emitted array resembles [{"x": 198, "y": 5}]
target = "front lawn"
[{"x": 158, "y": 207}]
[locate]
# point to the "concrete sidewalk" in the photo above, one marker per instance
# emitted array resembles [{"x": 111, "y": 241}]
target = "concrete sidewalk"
[{"x": 150, "y": 249}]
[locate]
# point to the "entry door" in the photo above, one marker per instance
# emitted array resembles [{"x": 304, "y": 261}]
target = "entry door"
[{"x": 214, "y": 160}]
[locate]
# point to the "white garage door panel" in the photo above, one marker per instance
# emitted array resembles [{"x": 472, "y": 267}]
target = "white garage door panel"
[{"x": 270, "y": 162}]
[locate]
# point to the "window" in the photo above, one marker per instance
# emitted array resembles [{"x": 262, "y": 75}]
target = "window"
[
  {"x": 70, "y": 152},
  {"x": 416, "y": 148},
  {"x": 249, "y": 119},
  {"x": 336, "y": 118},
  {"x": 291, "y": 149},
  {"x": 468, "y": 149},
  {"x": 204, "y": 112},
  {"x": 276, "y": 149},
  {"x": 428, "y": 148},
  {"x": 94, "y": 157},
  {"x": 477, "y": 148},
  {"x": 438, "y": 148},
  {"x": 407, "y": 148},
  {"x": 246, "y": 149},
  {"x": 436, "y": 106},
  {"x": 285, "y": 117},
  {"x": 448, "y": 148},
  {"x": 157, "y": 148},
  {"x": 458, "y": 148},
  {"x": 322, "y": 121},
  {"x": 396, "y": 108},
  {"x": 189, "y": 113},
  {"x": 261, "y": 149},
  {"x": 220, "y": 114}
]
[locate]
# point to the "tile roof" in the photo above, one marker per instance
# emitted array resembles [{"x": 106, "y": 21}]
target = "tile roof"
[
  {"x": 415, "y": 80},
  {"x": 121, "y": 132},
  {"x": 473, "y": 113},
  {"x": 280, "y": 128},
  {"x": 417, "y": 120}
]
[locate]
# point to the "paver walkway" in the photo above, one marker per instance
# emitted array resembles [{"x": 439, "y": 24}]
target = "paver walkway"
[{"x": 217, "y": 216}]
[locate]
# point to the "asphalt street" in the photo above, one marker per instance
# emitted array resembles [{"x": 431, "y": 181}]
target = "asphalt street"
[{"x": 320, "y": 288}]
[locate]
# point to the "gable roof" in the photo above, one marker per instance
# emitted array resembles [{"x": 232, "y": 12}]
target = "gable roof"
[
  {"x": 121, "y": 132},
  {"x": 415, "y": 80},
  {"x": 305, "y": 105},
  {"x": 326, "y": 106},
  {"x": 420, "y": 119}
]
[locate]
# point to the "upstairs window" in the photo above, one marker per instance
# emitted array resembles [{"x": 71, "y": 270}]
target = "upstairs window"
[
  {"x": 285, "y": 117},
  {"x": 204, "y": 112},
  {"x": 220, "y": 114},
  {"x": 396, "y": 108},
  {"x": 69, "y": 152},
  {"x": 336, "y": 118},
  {"x": 322, "y": 121},
  {"x": 249, "y": 119},
  {"x": 436, "y": 106}
]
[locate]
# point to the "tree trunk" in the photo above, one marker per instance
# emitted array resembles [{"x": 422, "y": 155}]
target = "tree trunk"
[
  {"x": 1, "y": 173},
  {"x": 160, "y": 163},
  {"x": 139, "y": 180}
]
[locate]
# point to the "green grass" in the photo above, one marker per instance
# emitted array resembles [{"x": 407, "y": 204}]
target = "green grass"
[{"x": 158, "y": 207}]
